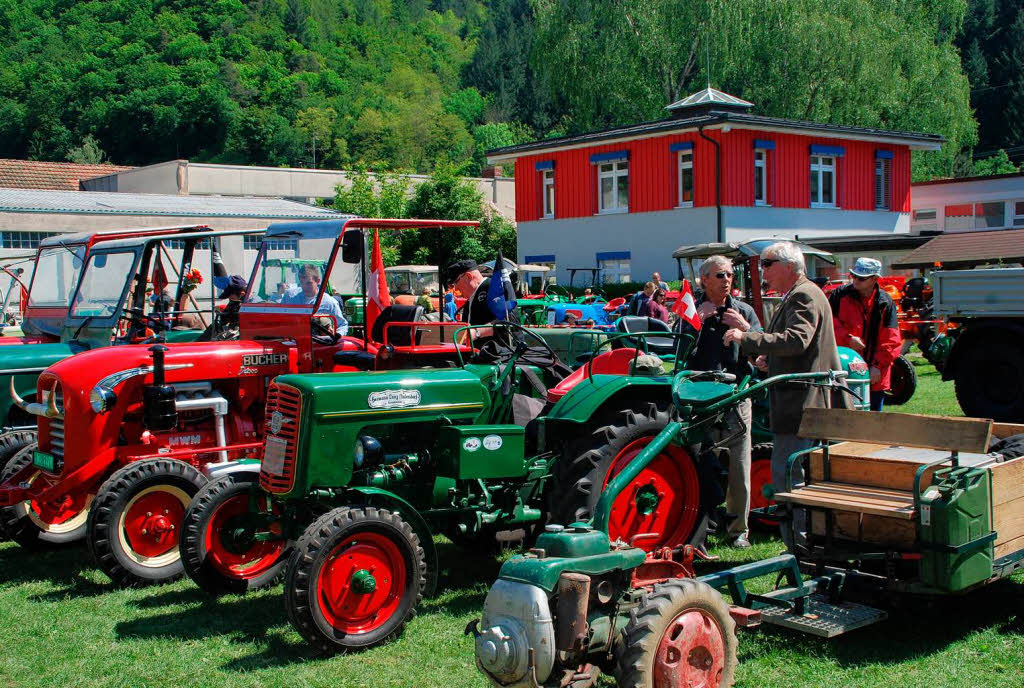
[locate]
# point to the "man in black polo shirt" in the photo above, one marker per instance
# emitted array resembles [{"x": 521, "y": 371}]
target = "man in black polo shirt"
[
  {"x": 719, "y": 312},
  {"x": 465, "y": 279}
]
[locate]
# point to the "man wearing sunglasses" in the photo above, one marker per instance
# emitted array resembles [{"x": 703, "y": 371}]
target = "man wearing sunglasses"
[
  {"x": 865, "y": 320},
  {"x": 799, "y": 339},
  {"x": 719, "y": 312}
]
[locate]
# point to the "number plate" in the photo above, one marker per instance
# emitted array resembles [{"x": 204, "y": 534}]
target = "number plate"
[
  {"x": 273, "y": 456},
  {"x": 43, "y": 460}
]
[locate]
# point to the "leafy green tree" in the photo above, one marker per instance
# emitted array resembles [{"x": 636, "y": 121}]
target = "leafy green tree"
[
  {"x": 997, "y": 164},
  {"x": 89, "y": 153}
]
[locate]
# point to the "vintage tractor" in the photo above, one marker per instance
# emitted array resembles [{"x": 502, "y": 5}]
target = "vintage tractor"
[
  {"x": 127, "y": 436},
  {"x": 591, "y": 597},
  {"x": 54, "y": 331}
]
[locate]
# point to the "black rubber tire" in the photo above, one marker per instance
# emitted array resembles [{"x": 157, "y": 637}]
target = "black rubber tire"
[
  {"x": 902, "y": 382},
  {"x": 579, "y": 474},
  {"x": 114, "y": 497},
  {"x": 989, "y": 380},
  {"x": 648, "y": 623},
  {"x": 311, "y": 554},
  {"x": 13, "y": 442},
  {"x": 761, "y": 452},
  {"x": 198, "y": 517},
  {"x": 15, "y": 523}
]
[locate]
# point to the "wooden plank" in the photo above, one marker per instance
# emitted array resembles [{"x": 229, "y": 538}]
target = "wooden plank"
[
  {"x": 853, "y": 494},
  {"x": 905, "y": 429},
  {"x": 1004, "y": 430},
  {"x": 1007, "y": 481},
  {"x": 832, "y": 501},
  {"x": 1008, "y": 521},
  {"x": 1009, "y": 546},
  {"x": 875, "y": 530},
  {"x": 884, "y": 473}
]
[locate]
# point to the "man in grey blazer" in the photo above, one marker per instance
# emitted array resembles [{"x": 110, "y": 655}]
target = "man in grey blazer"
[{"x": 799, "y": 339}]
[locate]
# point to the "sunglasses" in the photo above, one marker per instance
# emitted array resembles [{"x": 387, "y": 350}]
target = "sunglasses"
[
  {"x": 768, "y": 262},
  {"x": 723, "y": 275},
  {"x": 858, "y": 278}
]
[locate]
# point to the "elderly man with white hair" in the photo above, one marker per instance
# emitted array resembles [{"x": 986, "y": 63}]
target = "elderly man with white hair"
[{"x": 799, "y": 339}]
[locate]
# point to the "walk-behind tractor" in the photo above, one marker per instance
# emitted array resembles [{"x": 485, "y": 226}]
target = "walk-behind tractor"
[
  {"x": 127, "y": 436},
  {"x": 592, "y": 596}
]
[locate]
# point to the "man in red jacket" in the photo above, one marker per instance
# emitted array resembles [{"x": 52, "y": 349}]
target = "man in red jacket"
[{"x": 865, "y": 320}]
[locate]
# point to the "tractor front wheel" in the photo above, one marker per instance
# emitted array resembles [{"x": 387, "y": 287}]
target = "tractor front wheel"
[
  {"x": 35, "y": 526},
  {"x": 902, "y": 382},
  {"x": 681, "y": 635},
  {"x": 13, "y": 442},
  {"x": 136, "y": 518},
  {"x": 664, "y": 502},
  {"x": 355, "y": 579},
  {"x": 219, "y": 548}
]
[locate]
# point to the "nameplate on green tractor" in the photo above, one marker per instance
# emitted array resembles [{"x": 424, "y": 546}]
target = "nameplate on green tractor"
[{"x": 43, "y": 460}]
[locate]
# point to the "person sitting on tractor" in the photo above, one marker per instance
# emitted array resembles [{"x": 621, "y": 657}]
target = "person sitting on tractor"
[
  {"x": 309, "y": 286},
  {"x": 640, "y": 299},
  {"x": 465, "y": 278},
  {"x": 233, "y": 292},
  {"x": 865, "y": 319},
  {"x": 718, "y": 312}
]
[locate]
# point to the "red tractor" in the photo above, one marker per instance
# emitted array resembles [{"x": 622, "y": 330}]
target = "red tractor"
[{"x": 127, "y": 436}]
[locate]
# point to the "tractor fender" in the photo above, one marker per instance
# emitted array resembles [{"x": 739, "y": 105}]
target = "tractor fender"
[
  {"x": 374, "y": 496},
  {"x": 599, "y": 394},
  {"x": 990, "y": 330},
  {"x": 214, "y": 471}
]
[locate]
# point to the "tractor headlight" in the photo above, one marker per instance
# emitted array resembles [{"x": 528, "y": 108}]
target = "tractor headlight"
[
  {"x": 102, "y": 399},
  {"x": 367, "y": 451}
]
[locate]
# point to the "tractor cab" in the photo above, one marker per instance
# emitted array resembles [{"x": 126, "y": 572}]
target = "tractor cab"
[{"x": 15, "y": 294}]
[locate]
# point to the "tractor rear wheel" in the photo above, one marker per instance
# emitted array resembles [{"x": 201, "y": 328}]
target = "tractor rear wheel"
[
  {"x": 681, "y": 635},
  {"x": 761, "y": 475},
  {"x": 355, "y": 579},
  {"x": 136, "y": 518},
  {"x": 665, "y": 499},
  {"x": 218, "y": 547},
  {"x": 902, "y": 382},
  {"x": 32, "y": 526},
  {"x": 13, "y": 442},
  {"x": 989, "y": 380}
]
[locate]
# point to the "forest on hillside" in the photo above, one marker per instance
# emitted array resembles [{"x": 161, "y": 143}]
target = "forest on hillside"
[{"x": 404, "y": 84}]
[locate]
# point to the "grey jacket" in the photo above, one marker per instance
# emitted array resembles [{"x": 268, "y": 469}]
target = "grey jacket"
[{"x": 799, "y": 339}]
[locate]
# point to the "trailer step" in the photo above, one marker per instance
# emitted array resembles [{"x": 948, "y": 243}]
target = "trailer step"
[{"x": 824, "y": 619}]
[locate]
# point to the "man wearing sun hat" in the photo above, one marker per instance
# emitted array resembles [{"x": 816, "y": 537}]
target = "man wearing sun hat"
[{"x": 864, "y": 317}]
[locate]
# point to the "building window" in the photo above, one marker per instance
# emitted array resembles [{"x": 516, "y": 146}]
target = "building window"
[
  {"x": 966, "y": 216},
  {"x": 17, "y": 239},
  {"x": 990, "y": 215},
  {"x": 613, "y": 183},
  {"x": 686, "y": 179},
  {"x": 959, "y": 217},
  {"x": 924, "y": 220},
  {"x": 823, "y": 181},
  {"x": 614, "y": 266},
  {"x": 180, "y": 244},
  {"x": 549, "y": 193},
  {"x": 760, "y": 176},
  {"x": 883, "y": 184},
  {"x": 252, "y": 242},
  {"x": 1018, "y": 214}
]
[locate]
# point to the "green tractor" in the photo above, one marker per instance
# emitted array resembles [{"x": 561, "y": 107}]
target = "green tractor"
[
  {"x": 586, "y": 599},
  {"x": 361, "y": 470}
]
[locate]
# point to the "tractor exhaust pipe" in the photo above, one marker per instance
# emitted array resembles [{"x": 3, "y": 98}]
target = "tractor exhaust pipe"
[
  {"x": 47, "y": 410},
  {"x": 573, "y": 599}
]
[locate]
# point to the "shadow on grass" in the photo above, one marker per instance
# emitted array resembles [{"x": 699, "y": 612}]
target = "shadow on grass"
[
  {"x": 245, "y": 619},
  {"x": 63, "y": 565},
  {"x": 276, "y": 652}
]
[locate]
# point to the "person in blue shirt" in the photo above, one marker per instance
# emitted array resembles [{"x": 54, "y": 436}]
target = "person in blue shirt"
[{"x": 305, "y": 294}]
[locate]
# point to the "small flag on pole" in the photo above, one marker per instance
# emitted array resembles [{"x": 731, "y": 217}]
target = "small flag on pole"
[
  {"x": 377, "y": 295},
  {"x": 686, "y": 308}
]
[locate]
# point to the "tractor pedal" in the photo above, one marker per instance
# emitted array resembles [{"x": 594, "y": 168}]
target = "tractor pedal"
[
  {"x": 744, "y": 617},
  {"x": 823, "y": 619}
]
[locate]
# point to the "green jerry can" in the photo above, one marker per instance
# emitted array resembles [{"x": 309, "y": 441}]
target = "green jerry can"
[
  {"x": 355, "y": 308},
  {"x": 955, "y": 529}
]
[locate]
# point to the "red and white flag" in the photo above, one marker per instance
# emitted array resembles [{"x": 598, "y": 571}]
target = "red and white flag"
[
  {"x": 377, "y": 295},
  {"x": 685, "y": 307}
]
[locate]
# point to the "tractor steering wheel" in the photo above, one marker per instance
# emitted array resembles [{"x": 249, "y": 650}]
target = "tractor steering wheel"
[
  {"x": 498, "y": 352},
  {"x": 322, "y": 334},
  {"x": 559, "y": 293}
]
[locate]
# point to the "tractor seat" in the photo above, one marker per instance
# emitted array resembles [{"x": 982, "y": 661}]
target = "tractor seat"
[
  {"x": 615, "y": 362},
  {"x": 398, "y": 336},
  {"x": 662, "y": 346},
  {"x": 360, "y": 360}
]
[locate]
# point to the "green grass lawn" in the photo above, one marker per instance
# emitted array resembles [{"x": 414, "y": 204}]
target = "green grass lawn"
[{"x": 63, "y": 624}]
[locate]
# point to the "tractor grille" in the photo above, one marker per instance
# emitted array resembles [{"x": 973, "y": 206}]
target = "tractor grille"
[
  {"x": 54, "y": 426},
  {"x": 277, "y": 474}
]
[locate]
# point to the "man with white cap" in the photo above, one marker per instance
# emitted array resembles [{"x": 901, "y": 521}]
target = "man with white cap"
[{"x": 865, "y": 319}]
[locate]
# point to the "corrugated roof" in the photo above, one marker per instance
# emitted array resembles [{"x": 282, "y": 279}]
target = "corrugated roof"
[
  {"x": 709, "y": 96},
  {"x": 109, "y": 203},
  {"x": 967, "y": 249},
  {"x": 58, "y": 176}
]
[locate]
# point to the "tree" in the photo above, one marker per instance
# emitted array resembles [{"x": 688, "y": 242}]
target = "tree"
[
  {"x": 316, "y": 125},
  {"x": 89, "y": 153},
  {"x": 996, "y": 164}
]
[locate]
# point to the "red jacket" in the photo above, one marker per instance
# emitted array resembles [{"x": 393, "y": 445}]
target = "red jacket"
[{"x": 874, "y": 321}]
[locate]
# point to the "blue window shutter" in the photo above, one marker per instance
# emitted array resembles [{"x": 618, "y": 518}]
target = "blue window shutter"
[
  {"x": 613, "y": 255},
  {"x": 545, "y": 165},
  {"x": 837, "y": 151},
  {"x": 543, "y": 258},
  {"x": 883, "y": 154},
  {"x": 615, "y": 156},
  {"x": 681, "y": 146},
  {"x": 764, "y": 144}
]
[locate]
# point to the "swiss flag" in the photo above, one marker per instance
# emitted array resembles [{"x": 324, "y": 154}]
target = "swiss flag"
[
  {"x": 377, "y": 295},
  {"x": 685, "y": 307},
  {"x": 160, "y": 281}
]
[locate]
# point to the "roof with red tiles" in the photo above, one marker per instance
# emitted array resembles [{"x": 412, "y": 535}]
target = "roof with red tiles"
[{"x": 58, "y": 176}]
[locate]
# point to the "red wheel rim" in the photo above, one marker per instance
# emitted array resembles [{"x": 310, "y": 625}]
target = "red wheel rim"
[
  {"x": 151, "y": 523},
  {"x": 61, "y": 513},
  {"x": 362, "y": 583},
  {"x": 664, "y": 498},
  {"x": 230, "y": 559},
  {"x": 691, "y": 653},
  {"x": 760, "y": 475}
]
